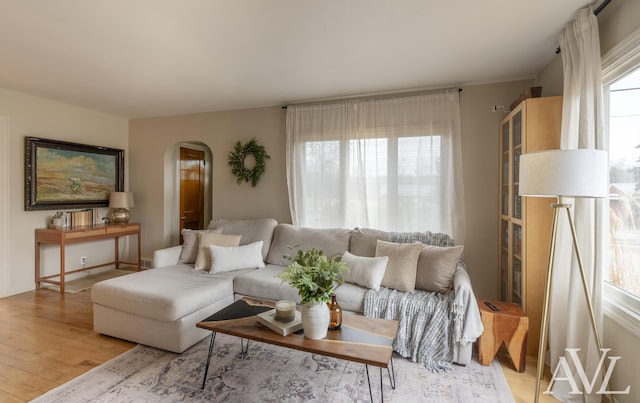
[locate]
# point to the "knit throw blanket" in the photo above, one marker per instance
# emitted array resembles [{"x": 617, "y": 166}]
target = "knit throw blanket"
[
  {"x": 428, "y": 322},
  {"x": 426, "y": 325}
]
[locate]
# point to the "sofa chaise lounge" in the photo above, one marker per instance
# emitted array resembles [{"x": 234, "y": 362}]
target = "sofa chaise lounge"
[{"x": 161, "y": 306}]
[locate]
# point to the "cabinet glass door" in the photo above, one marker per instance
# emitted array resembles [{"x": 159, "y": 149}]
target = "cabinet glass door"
[
  {"x": 516, "y": 265},
  {"x": 504, "y": 260},
  {"x": 517, "y": 151},
  {"x": 504, "y": 182}
]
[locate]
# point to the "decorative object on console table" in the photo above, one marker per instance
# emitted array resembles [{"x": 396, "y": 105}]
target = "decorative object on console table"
[
  {"x": 121, "y": 201},
  {"x": 58, "y": 220},
  {"x": 314, "y": 275},
  {"x": 564, "y": 173}
]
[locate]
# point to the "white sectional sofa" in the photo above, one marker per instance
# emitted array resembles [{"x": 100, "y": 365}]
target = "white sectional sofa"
[{"x": 161, "y": 306}]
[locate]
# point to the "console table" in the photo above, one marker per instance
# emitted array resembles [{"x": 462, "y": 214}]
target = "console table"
[{"x": 73, "y": 235}]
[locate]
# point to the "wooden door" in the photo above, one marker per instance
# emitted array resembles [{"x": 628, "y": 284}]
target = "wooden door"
[{"x": 191, "y": 189}]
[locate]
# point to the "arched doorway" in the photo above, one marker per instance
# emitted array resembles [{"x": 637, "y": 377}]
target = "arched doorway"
[
  {"x": 180, "y": 169},
  {"x": 192, "y": 180}
]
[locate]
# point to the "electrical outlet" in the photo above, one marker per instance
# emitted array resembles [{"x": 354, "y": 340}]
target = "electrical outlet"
[{"x": 83, "y": 260}]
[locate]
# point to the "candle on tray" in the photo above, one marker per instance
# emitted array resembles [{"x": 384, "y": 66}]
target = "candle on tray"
[{"x": 285, "y": 310}]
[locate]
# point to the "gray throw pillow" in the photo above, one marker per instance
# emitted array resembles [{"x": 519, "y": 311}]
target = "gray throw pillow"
[
  {"x": 190, "y": 242},
  {"x": 364, "y": 241},
  {"x": 436, "y": 266}
]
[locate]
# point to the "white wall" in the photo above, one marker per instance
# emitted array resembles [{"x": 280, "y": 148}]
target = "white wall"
[{"x": 32, "y": 116}]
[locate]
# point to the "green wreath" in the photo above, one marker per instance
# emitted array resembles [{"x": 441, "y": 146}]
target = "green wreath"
[{"x": 237, "y": 157}]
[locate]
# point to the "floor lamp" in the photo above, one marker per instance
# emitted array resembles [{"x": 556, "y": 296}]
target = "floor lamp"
[{"x": 563, "y": 173}]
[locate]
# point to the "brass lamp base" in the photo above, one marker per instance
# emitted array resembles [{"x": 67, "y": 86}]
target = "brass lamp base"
[{"x": 121, "y": 216}]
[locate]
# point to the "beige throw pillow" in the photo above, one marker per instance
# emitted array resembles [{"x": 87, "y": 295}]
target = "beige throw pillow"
[
  {"x": 436, "y": 266},
  {"x": 402, "y": 266},
  {"x": 203, "y": 260},
  {"x": 190, "y": 242}
]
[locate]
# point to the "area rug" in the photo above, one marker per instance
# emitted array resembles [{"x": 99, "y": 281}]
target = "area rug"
[
  {"x": 271, "y": 374},
  {"x": 85, "y": 282}
]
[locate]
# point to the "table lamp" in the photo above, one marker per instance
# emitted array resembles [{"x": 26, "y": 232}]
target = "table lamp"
[
  {"x": 120, "y": 202},
  {"x": 563, "y": 173}
]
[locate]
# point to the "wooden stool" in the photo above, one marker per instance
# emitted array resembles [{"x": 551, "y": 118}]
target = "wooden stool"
[{"x": 509, "y": 325}]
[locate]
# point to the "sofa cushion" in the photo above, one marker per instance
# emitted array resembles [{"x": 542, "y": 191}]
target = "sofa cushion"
[
  {"x": 231, "y": 258},
  {"x": 203, "y": 260},
  {"x": 436, "y": 266},
  {"x": 331, "y": 241},
  {"x": 364, "y": 241},
  {"x": 363, "y": 270},
  {"x": 402, "y": 266},
  {"x": 259, "y": 229},
  {"x": 190, "y": 242},
  {"x": 164, "y": 294},
  {"x": 263, "y": 284}
]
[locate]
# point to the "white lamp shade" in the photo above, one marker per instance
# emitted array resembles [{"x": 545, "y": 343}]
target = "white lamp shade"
[
  {"x": 121, "y": 200},
  {"x": 568, "y": 173}
]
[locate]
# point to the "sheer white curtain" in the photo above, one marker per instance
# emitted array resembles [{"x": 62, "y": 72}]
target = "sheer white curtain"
[
  {"x": 582, "y": 127},
  {"x": 392, "y": 164}
]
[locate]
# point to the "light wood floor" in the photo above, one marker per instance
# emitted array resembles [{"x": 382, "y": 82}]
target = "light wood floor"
[{"x": 47, "y": 339}]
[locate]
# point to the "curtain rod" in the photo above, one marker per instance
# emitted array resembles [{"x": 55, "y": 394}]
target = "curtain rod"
[
  {"x": 380, "y": 96},
  {"x": 597, "y": 11}
]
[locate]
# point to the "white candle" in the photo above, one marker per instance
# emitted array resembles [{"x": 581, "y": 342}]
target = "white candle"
[{"x": 285, "y": 310}]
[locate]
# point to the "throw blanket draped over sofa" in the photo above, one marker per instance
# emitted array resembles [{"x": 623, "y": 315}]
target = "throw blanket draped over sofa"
[{"x": 415, "y": 278}]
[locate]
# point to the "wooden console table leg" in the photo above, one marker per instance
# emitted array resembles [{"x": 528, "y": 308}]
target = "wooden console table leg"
[
  {"x": 62, "y": 268},
  {"x": 117, "y": 252},
  {"x": 37, "y": 265}
]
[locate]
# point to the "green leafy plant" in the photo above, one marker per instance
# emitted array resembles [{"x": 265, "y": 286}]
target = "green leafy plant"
[{"x": 313, "y": 274}]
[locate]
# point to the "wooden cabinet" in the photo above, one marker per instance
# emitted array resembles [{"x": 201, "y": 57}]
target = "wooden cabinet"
[{"x": 525, "y": 223}]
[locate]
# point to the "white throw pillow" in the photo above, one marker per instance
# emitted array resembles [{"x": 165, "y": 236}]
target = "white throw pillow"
[
  {"x": 203, "y": 260},
  {"x": 364, "y": 271},
  {"x": 230, "y": 258}
]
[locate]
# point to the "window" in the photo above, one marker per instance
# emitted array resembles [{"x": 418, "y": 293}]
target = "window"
[
  {"x": 391, "y": 164},
  {"x": 383, "y": 172},
  {"x": 624, "y": 175},
  {"x": 621, "y": 77}
]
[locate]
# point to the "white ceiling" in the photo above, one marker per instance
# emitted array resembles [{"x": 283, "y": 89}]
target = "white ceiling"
[{"x": 140, "y": 58}]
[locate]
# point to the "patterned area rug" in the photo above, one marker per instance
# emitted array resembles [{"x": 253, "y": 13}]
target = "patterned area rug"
[{"x": 271, "y": 374}]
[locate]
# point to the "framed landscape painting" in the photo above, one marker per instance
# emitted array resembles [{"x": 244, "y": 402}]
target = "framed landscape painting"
[{"x": 63, "y": 175}]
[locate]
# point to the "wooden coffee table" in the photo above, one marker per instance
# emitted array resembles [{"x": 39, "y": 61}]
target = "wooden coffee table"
[{"x": 360, "y": 339}]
